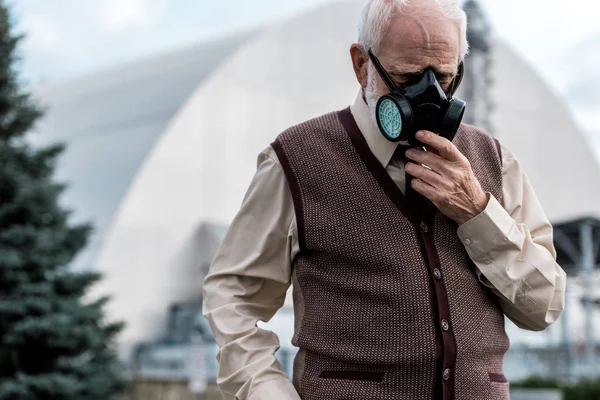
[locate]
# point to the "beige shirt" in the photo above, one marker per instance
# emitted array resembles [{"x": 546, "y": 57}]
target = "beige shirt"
[{"x": 511, "y": 246}]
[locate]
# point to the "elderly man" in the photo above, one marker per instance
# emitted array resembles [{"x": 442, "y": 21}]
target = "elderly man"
[{"x": 405, "y": 247}]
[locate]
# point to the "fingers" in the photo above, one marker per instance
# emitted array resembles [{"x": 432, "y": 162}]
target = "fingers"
[
  {"x": 433, "y": 161},
  {"x": 425, "y": 189},
  {"x": 420, "y": 172},
  {"x": 444, "y": 147}
]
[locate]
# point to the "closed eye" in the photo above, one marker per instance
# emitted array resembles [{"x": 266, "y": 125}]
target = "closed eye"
[{"x": 408, "y": 78}]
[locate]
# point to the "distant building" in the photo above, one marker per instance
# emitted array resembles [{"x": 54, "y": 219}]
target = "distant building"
[
  {"x": 161, "y": 151},
  {"x": 475, "y": 88}
]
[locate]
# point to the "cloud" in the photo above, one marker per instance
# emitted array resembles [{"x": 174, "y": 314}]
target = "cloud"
[
  {"x": 42, "y": 32},
  {"x": 133, "y": 14},
  {"x": 582, "y": 82},
  {"x": 65, "y": 37},
  {"x": 582, "y": 61}
]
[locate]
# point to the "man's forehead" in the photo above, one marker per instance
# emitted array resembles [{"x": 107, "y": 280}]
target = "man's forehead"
[
  {"x": 421, "y": 31},
  {"x": 414, "y": 42}
]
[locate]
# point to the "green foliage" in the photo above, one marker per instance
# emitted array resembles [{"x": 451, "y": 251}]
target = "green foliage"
[
  {"x": 586, "y": 389},
  {"x": 53, "y": 345},
  {"x": 581, "y": 390},
  {"x": 536, "y": 382}
]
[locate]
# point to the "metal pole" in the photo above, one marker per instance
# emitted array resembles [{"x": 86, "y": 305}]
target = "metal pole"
[
  {"x": 587, "y": 264},
  {"x": 566, "y": 342}
]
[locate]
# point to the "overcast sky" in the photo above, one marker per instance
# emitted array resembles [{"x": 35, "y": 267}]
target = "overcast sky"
[{"x": 560, "y": 39}]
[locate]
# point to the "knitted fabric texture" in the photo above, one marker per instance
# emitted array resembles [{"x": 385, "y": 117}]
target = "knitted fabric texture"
[{"x": 369, "y": 311}]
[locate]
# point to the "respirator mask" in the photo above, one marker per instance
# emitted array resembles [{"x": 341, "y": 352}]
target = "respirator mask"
[{"x": 421, "y": 104}]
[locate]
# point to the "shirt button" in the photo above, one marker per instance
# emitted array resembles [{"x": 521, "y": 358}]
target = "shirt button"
[
  {"x": 447, "y": 374},
  {"x": 424, "y": 227},
  {"x": 468, "y": 242},
  {"x": 445, "y": 325},
  {"x": 437, "y": 274}
]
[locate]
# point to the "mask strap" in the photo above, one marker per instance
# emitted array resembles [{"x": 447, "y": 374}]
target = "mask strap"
[
  {"x": 457, "y": 79},
  {"x": 382, "y": 72}
]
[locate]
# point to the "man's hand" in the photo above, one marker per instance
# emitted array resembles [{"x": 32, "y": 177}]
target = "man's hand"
[{"x": 450, "y": 184}]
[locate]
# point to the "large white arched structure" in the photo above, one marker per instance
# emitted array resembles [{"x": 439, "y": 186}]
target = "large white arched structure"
[{"x": 161, "y": 184}]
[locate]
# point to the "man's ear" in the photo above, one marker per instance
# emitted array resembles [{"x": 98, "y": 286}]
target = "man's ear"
[
  {"x": 457, "y": 79},
  {"x": 360, "y": 63}
]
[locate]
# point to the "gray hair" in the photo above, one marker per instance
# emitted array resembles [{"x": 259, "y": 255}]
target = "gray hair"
[{"x": 377, "y": 15}]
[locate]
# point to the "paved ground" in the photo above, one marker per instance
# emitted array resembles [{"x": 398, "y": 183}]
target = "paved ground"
[{"x": 212, "y": 392}]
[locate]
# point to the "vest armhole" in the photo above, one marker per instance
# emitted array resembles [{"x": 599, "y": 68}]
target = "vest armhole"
[
  {"x": 295, "y": 191},
  {"x": 499, "y": 150}
]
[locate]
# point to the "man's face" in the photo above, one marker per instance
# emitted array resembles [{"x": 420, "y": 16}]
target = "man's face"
[{"x": 412, "y": 44}]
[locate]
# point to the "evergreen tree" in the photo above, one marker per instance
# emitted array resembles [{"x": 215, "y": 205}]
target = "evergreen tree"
[{"x": 53, "y": 345}]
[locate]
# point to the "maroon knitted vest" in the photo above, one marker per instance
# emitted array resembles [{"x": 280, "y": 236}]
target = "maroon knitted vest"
[{"x": 387, "y": 303}]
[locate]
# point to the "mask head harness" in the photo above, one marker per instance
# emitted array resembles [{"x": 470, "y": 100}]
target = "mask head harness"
[{"x": 420, "y": 105}]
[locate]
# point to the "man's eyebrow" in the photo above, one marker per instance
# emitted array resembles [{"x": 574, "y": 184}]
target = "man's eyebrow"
[
  {"x": 405, "y": 71},
  {"x": 446, "y": 73},
  {"x": 412, "y": 72}
]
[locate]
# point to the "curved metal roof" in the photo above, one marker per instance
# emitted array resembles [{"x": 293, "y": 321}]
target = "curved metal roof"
[
  {"x": 536, "y": 125},
  {"x": 111, "y": 120}
]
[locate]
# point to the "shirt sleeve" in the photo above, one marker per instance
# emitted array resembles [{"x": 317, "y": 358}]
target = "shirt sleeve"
[
  {"x": 512, "y": 247},
  {"x": 247, "y": 282}
]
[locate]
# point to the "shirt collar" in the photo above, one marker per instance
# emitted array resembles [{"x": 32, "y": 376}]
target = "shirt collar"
[{"x": 381, "y": 148}]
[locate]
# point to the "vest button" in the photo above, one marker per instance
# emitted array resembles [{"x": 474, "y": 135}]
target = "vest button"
[
  {"x": 447, "y": 374},
  {"x": 424, "y": 227},
  {"x": 445, "y": 325},
  {"x": 437, "y": 274}
]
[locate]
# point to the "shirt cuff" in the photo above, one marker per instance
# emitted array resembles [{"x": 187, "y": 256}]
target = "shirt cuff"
[
  {"x": 275, "y": 389},
  {"x": 486, "y": 231}
]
